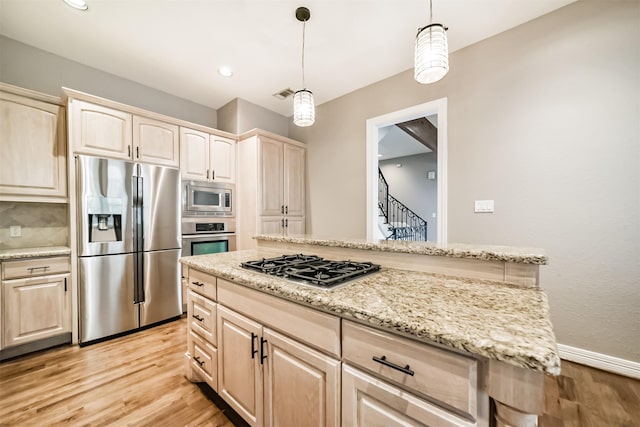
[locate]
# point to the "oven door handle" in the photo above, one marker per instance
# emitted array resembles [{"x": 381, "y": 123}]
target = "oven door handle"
[{"x": 207, "y": 236}]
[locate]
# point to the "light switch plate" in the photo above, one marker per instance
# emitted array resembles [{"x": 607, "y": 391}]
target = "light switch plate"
[
  {"x": 485, "y": 206},
  {"x": 15, "y": 231}
]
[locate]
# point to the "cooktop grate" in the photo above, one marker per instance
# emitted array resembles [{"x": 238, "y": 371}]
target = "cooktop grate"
[{"x": 312, "y": 270}]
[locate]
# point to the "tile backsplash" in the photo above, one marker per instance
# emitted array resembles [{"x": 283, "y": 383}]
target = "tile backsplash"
[{"x": 42, "y": 224}]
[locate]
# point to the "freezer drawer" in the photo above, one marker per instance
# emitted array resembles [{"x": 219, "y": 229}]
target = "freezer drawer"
[
  {"x": 162, "y": 294},
  {"x": 106, "y": 296}
]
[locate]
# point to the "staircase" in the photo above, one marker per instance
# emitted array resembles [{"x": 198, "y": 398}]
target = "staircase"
[{"x": 397, "y": 221}]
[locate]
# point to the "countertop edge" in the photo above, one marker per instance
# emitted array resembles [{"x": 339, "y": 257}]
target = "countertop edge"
[
  {"x": 36, "y": 252},
  {"x": 535, "y": 256}
]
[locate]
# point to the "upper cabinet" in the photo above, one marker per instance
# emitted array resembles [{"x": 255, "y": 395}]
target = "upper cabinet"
[
  {"x": 271, "y": 193},
  {"x": 107, "y": 132},
  {"x": 32, "y": 132},
  {"x": 207, "y": 157},
  {"x": 155, "y": 141}
]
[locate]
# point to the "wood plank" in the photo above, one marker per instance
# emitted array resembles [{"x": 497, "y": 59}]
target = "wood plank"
[{"x": 133, "y": 380}]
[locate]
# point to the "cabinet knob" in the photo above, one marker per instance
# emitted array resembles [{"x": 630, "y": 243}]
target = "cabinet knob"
[{"x": 282, "y": 209}]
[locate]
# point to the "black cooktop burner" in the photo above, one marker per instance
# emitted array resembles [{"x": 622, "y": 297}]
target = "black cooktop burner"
[{"x": 312, "y": 269}]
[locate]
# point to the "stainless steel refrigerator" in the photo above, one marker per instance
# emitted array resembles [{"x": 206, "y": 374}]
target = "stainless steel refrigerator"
[{"x": 128, "y": 245}]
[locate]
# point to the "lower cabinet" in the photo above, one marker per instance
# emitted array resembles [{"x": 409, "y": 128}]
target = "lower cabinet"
[
  {"x": 281, "y": 364},
  {"x": 36, "y": 308},
  {"x": 370, "y": 402},
  {"x": 239, "y": 365},
  {"x": 273, "y": 380},
  {"x": 35, "y": 304}
]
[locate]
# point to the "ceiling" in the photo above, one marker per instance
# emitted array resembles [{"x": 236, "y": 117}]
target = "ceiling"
[
  {"x": 394, "y": 142},
  {"x": 177, "y": 46}
]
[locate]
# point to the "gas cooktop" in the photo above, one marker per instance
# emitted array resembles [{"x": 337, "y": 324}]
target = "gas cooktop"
[{"x": 312, "y": 270}]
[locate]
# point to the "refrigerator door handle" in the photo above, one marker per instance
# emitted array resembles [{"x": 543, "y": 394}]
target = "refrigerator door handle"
[{"x": 138, "y": 264}]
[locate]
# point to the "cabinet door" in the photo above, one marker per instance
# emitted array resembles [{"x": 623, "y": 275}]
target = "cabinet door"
[
  {"x": 270, "y": 225},
  {"x": 295, "y": 226},
  {"x": 302, "y": 386},
  {"x": 222, "y": 159},
  {"x": 155, "y": 141},
  {"x": 194, "y": 154},
  {"x": 369, "y": 402},
  {"x": 32, "y": 133},
  {"x": 100, "y": 131},
  {"x": 239, "y": 367},
  {"x": 270, "y": 176},
  {"x": 294, "y": 180},
  {"x": 35, "y": 309}
]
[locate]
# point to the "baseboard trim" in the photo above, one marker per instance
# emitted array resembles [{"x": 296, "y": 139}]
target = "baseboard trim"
[{"x": 605, "y": 362}]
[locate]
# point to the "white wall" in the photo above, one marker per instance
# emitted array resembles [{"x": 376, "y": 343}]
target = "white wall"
[
  {"x": 409, "y": 184},
  {"x": 28, "y": 67},
  {"x": 544, "y": 119},
  {"x": 239, "y": 116}
]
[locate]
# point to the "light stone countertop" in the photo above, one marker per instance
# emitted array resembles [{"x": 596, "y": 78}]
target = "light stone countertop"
[
  {"x": 491, "y": 319},
  {"x": 515, "y": 254},
  {"x": 12, "y": 254}
]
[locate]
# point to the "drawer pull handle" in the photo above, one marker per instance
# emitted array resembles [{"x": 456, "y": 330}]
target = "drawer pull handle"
[
  {"x": 44, "y": 267},
  {"x": 254, "y": 351},
  {"x": 198, "y": 361},
  {"x": 198, "y": 318},
  {"x": 262, "y": 352},
  {"x": 198, "y": 283},
  {"x": 407, "y": 370}
]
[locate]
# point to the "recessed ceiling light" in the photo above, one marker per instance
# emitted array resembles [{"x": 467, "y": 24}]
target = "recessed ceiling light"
[
  {"x": 77, "y": 4},
  {"x": 379, "y": 155},
  {"x": 225, "y": 71}
]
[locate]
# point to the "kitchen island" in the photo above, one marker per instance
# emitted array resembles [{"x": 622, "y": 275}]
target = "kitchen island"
[{"x": 496, "y": 333}]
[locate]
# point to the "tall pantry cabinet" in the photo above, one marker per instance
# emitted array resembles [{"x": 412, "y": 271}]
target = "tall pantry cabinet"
[{"x": 271, "y": 193}]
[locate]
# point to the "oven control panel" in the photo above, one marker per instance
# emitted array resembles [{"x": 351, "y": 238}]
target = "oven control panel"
[{"x": 202, "y": 226}]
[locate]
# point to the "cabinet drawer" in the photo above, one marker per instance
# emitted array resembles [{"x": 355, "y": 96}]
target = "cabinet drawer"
[
  {"x": 35, "y": 267},
  {"x": 204, "y": 360},
  {"x": 368, "y": 401},
  {"x": 202, "y": 283},
  {"x": 202, "y": 316},
  {"x": 312, "y": 327},
  {"x": 447, "y": 377}
]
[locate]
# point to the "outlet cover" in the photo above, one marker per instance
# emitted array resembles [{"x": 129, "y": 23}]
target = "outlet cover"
[
  {"x": 15, "y": 231},
  {"x": 483, "y": 206}
]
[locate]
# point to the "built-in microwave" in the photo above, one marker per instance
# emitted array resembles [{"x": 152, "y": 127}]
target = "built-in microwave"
[{"x": 207, "y": 199}]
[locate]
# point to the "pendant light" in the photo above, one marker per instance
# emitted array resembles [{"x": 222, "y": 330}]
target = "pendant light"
[
  {"x": 432, "y": 52},
  {"x": 304, "y": 110}
]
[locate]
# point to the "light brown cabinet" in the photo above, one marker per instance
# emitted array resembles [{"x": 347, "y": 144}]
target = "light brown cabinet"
[
  {"x": 264, "y": 375},
  {"x": 370, "y": 402},
  {"x": 32, "y": 132},
  {"x": 202, "y": 331},
  {"x": 101, "y": 131},
  {"x": 155, "y": 142},
  {"x": 36, "y": 300},
  {"x": 207, "y": 157},
  {"x": 271, "y": 193}
]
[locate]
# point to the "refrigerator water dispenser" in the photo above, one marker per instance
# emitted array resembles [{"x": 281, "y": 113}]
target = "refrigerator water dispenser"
[
  {"x": 105, "y": 219},
  {"x": 105, "y": 228}
]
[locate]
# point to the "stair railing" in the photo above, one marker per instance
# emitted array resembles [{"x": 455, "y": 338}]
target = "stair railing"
[{"x": 404, "y": 223}]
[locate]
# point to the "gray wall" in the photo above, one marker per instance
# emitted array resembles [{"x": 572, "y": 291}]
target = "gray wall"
[
  {"x": 239, "y": 116},
  {"x": 409, "y": 184},
  {"x": 25, "y": 66},
  {"x": 543, "y": 119}
]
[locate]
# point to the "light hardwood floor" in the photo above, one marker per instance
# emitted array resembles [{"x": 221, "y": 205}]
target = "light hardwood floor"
[
  {"x": 138, "y": 380},
  {"x": 133, "y": 380}
]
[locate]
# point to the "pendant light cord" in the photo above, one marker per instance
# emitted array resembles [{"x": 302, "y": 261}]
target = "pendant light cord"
[
  {"x": 304, "y": 25},
  {"x": 430, "y": 12}
]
